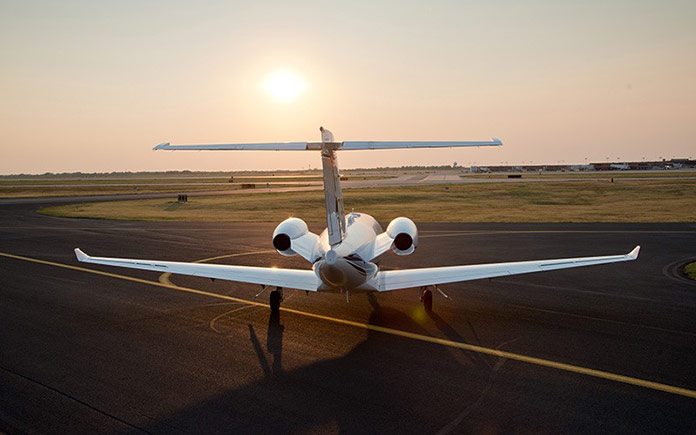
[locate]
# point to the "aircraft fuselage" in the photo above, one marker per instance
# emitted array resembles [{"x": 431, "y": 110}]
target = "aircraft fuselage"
[{"x": 341, "y": 267}]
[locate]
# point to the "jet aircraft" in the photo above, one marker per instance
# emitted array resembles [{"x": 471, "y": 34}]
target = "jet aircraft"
[{"x": 345, "y": 256}]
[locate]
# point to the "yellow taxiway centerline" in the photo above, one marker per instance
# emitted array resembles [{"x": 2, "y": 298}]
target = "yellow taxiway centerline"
[
  {"x": 164, "y": 278},
  {"x": 600, "y": 374}
]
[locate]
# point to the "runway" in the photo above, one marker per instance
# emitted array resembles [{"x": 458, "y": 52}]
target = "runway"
[{"x": 604, "y": 349}]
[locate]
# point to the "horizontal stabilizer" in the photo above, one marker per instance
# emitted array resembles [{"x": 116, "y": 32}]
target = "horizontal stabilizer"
[
  {"x": 391, "y": 145},
  {"x": 338, "y": 146},
  {"x": 271, "y": 146}
]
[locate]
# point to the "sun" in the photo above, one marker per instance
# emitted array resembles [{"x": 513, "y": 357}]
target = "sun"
[{"x": 284, "y": 85}]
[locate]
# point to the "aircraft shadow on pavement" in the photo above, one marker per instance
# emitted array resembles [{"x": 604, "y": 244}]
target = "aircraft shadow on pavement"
[
  {"x": 385, "y": 384},
  {"x": 274, "y": 345},
  {"x": 390, "y": 384}
]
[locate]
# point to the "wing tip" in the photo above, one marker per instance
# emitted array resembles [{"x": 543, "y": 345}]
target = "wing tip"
[
  {"x": 81, "y": 256},
  {"x": 634, "y": 253},
  {"x": 161, "y": 146}
]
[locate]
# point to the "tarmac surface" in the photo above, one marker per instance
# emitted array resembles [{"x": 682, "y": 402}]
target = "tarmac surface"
[{"x": 85, "y": 348}]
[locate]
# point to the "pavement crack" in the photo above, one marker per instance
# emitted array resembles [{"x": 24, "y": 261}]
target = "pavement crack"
[
  {"x": 214, "y": 320},
  {"x": 452, "y": 425},
  {"x": 73, "y": 398}
]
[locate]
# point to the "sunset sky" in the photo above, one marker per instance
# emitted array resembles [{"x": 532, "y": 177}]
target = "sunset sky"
[{"x": 94, "y": 85}]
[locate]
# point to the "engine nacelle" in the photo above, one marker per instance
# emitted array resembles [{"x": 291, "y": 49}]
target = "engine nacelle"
[
  {"x": 286, "y": 232},
  {"x": 405, "y": 235}
]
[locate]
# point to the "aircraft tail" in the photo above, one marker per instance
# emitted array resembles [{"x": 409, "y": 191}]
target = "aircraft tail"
[
  {"x": 335, "y": 214},
  {"x": 333, "y": 196}
]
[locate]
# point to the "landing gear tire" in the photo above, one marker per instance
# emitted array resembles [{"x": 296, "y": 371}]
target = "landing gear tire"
[
  {"x": 427, "y": 299},
  {"x": 275, "y": 299}
]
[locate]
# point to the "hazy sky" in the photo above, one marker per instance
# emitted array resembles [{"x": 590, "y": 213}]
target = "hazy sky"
[{"x": 93, "y": 85}]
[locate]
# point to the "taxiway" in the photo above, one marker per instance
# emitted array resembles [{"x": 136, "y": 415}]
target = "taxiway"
[{"x": 84, "y": 349}]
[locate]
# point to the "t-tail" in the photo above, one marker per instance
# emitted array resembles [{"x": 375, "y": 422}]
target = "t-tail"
[
  {"x": 333, "y": 196},
  {"x": 335, "y": 214}
]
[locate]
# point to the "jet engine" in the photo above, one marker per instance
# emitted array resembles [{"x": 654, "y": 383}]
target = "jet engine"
[
  {"x": 286, "y": 232},
  {"x": 405, "y": 235}
]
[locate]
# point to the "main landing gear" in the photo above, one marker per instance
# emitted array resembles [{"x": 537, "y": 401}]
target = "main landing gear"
[
  {"x": 275, "y": 299},
  {"x": 427, "y": 299}
]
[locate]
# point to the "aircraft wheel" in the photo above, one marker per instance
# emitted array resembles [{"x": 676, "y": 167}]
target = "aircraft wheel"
[
  {"x": 427, "y": 299},
  {"x": 275, "y": 300}
]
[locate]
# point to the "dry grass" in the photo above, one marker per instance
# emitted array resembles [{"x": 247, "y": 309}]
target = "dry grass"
[{"x": 581, "y": 201}]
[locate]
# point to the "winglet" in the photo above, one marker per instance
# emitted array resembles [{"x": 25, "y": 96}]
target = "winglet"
[
  {"x": 81, "y": 256},
  {"x": 497, "y": 141},
  {"x": 161, "y": 146},
  {"x": 634, "y": 254}
]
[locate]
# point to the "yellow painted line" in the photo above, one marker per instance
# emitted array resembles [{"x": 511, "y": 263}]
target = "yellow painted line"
[
  {"x": 164, "y": 279},
  {"x": 600, "y": 374},
  {"x": 131, "y": 279},
  {"x": 239, "y": 254}
]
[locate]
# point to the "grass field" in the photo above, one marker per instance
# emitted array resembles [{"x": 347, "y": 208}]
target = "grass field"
[
  {"x": 581, "y": 201},
  {"x": 690, "y": 270},
  {"x": 53, "y": 185}
]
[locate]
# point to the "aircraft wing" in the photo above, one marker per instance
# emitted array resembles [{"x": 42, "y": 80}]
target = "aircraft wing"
[
  {"x": 288, "y": 278},
  {"x": 409, "y": 278}
]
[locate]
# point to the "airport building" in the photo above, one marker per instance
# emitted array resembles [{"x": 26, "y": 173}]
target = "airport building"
[{"x": 599, "y": 166}]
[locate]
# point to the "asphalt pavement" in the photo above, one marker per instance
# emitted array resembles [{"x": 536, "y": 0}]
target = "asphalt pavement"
[{"x": 84, "y": 348}]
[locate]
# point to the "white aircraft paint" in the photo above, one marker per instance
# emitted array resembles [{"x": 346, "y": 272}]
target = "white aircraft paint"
[{"x": 345, "y": 256}]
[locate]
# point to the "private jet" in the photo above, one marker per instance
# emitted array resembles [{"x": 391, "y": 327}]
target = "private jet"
[{"x": 345, "y": 257}]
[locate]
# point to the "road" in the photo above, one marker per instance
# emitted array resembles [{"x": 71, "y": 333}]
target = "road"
[{"x": 96, "y": 349}]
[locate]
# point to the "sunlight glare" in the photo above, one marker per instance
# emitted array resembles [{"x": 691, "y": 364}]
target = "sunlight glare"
[{"x": 284, "y": 85}]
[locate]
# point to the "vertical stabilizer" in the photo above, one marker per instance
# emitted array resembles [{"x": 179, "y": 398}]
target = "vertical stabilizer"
[{"x": 333, "y": 196}]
